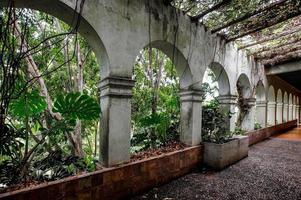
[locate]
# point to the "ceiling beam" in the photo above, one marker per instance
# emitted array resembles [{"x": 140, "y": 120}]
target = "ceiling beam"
[
  {"x": 293, "y": 11},
  {"x": 277, "y": 51},
  {"x": 272, "y": 37},
  {"x": 283, "y": 58},
  {"x": 248, "y": 15},
  {"x": 214, "y": 7},
  {"x": 284, "y": 68}
]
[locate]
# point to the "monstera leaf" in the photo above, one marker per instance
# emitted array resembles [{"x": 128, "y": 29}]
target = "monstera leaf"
[
  {"x": 30, "y": 104},
  {"x": 75, "y": 105}
]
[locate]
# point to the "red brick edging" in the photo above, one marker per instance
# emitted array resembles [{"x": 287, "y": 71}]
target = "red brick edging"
[
  {"x": 262, "y": 134},
  {"x": 118, "y": 182}
]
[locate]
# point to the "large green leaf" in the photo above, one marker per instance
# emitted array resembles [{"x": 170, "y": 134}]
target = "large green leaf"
[
  {"x": 29, "y": 104},
  {"x": 75, "y": 105}
]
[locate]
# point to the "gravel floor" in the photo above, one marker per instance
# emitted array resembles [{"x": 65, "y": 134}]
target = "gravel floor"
[{"x": 272, "y": 171}]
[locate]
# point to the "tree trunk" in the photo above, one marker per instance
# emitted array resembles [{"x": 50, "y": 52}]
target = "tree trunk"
[
  {"x": 35, "y": 73},
  {"x": 80, "y": 87}
]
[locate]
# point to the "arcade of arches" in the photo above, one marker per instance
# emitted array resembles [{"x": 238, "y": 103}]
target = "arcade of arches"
[
  {"x": 118, "y": 30},
  {"x": 255, "y": 91}
]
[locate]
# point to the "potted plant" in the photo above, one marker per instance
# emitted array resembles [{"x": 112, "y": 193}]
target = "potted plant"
[{"x": 221, "y": 147}]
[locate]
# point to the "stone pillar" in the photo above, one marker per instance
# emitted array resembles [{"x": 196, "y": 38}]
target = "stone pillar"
[
  {"x": 115, "y": 98},
  {"x": 249, "y": 120},
  {"x": 298, "y": 113},
  {"x": 294, "y": 111},
  {"x": 279, "y": 113},
  {"x": 228, "y": 104},
  {"x": 271, "y": 113},
  {"x": 191, "y": 117},
  {"x": 285, "y": 112},
  {"x": 290, "y": 108},
  {"x": 261, "y": 113}
]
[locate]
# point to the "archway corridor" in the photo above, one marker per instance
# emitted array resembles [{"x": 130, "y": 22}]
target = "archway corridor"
[
  {"x": 107, "y": 99},
  {"x": 271, "y": 171}
]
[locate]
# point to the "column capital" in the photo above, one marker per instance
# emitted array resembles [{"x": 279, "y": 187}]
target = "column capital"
[
  {"x": 191, "y": 96},
  {"x": 116, "y": 87},
  {"x": 227, "y": 99},
  {"x": 279, "y": 104},
  {"x": 251, "y": 101},
  {"x": 271, "y": 103}
]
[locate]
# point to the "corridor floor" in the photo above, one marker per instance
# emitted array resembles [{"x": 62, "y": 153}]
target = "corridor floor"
[
  {"x": 294, "y": 134},
  {"x": 272, "y": 171}
]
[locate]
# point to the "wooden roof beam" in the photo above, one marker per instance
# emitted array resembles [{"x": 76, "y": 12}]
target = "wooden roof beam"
[
  {"x": 283, "y": 58},
  {"x": 295, "y": 10},
  {"x": 215, "y": 7},
  {"x": 278, "y": 51},
  {"x": 291, "y": 41},
  {"x": 248, "y": 15},
  {"x": 273, "y": 37}
]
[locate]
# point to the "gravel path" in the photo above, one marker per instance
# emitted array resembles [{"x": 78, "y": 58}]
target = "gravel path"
[{"x": 272, "y": 171}]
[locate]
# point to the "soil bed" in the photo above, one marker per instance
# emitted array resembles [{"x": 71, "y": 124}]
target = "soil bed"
[{"x": 152, "y": 152}]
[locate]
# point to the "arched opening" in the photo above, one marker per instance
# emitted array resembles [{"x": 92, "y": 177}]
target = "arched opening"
[
  {"x": 217, "y": 103},
  {"x": 245, "y": 118},
  {"x": 163, "y": 99},
  {"x": 279, "y": 111},
  {"x": 271, "y": 107},
  {"x": 57, "y": 89},
  {"x": 261, "y": 106},
  {"x": 155, "y": 101},
  {"x": 285, "y": 107},
  {"x": 290, "y": 107}
]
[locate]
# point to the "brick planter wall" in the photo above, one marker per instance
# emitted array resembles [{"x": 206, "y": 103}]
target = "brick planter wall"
[
  {"x": 262, "y": 134},
  {"x": 115, "y": 183}
]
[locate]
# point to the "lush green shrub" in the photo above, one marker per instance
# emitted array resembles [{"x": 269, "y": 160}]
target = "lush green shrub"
[
  {"x": 213, "y": 123},
  {"x": 257, "y": 126}
]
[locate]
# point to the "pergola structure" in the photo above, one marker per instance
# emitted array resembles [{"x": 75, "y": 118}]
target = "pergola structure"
[{"x": 269, "y": 31}]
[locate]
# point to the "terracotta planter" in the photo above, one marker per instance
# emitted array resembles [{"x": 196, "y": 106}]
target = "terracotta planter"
[{"x": 219, "y": 156}]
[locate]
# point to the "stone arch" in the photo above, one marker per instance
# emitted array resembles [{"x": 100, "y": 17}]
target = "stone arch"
[
  {"x": 180, "y": 62},
  {"x": 222, "y": 78},
  {"x": 285, "y": 107},
  {"x": 66, "y": 13},
  {"x": 244, "y": 85},
  {"x": 226, "y": 100},
  {"x": 261, "y": 104},
  {"x": 190, "y": 93},
  {"x": 279, "y": 107},
  {"x": 271, "y": 116}
]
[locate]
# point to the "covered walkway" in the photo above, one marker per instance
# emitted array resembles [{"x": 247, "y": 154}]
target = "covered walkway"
[{"x": 272, "y": 171}]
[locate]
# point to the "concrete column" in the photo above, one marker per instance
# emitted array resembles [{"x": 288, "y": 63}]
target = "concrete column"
[
  {"x": 279, "y": 113},
  {"x": 290, "y": 113},
  {"x": 261, "y": 113},
  {"x": 271, "y": 113},
  {"x": 228, "y": 104},
  {"x": 285, "y": 112},
  {"x": 115, "y": 98},
  {"x": 298, "y": 112},
  {"x": 191, "y": 117},
  {"x": 249, "y": 120}
]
